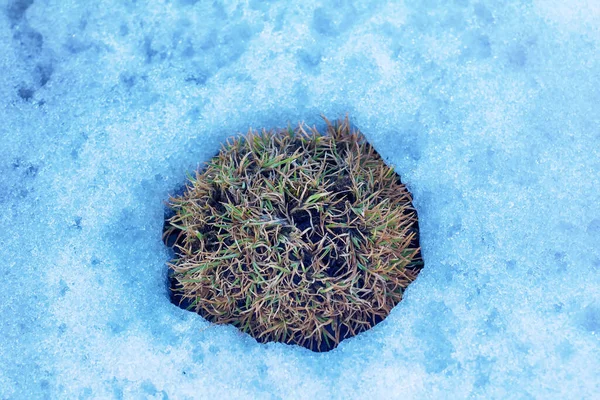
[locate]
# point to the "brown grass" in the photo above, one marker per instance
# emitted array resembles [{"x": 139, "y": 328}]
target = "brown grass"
[{"x": 295, "y": 236}]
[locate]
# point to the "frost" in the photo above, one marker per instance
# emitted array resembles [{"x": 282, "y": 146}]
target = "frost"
[{"x": 489, "y": 112}]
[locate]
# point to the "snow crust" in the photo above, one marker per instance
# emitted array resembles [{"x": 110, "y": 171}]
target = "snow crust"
[{"x": 489, "y": 110}]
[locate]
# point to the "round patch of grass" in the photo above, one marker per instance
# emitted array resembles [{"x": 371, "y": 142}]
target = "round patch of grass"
[{"x": 294, "y": 236}]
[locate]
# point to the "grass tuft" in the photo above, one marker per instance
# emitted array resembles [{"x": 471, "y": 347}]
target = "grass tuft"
[{"x": 294, "y": 236}]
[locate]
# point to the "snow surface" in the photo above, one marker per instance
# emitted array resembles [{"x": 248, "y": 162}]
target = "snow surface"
[{"x": 490, "y": 111}]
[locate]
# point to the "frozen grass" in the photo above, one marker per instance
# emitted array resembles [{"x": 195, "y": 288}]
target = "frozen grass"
[{"x": 295, "y": 236}]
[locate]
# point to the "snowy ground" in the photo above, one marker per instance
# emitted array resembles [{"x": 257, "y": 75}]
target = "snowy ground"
[{"x": 490, "y": 112}]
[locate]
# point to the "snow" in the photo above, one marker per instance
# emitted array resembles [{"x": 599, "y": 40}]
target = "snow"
[{"x": 489, "y": 111}]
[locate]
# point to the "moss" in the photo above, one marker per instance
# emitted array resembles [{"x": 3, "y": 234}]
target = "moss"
[{"x": 295, "y": 236}]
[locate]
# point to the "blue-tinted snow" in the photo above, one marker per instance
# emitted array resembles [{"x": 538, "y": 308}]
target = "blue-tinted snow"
[{"x": 490, "y": 111}]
